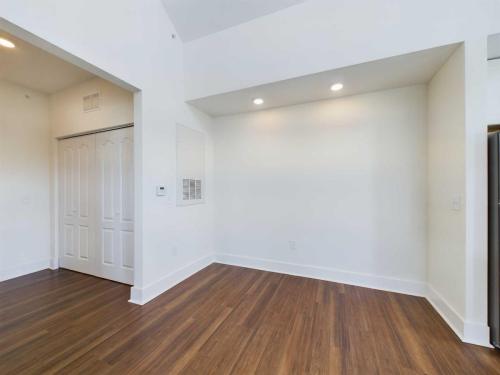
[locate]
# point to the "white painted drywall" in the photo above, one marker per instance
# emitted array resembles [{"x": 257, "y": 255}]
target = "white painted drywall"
[
  {"x": 196, "y": 18},
  {"x": 446, "y": 181},
  {"x": 133, "y": 42},
  {"x": 25, "y": 181},
  {"x": 138, "y": 49},
  {"x": 320, "y": 35},
  {"x": 494, "y": 92},
  {"x": 476, "y": 329},
  {"x": 398, "y": 71},
  {"x": 190, "y": 166},
  {"x": 116, "y": 107},
  {"x": 344, "y": 180}
]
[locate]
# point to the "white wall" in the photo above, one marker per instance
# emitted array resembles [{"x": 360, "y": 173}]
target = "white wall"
[
  {"x": 446, "y": 181},
  {"x": 320, "y": 35},
  {"x": 494, "y": 92},
  {"x": 457, "y": 248},
  {"x": 344, "y": 179},
  {"x": 66, "y": 108},
  {"x": 476, "y": 200},
  {"x": 138, "y": 49},
  {"x": 25, "y": 181}
]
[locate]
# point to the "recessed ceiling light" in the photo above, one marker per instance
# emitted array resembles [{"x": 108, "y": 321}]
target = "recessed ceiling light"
[
  {"x": 6, "y": 43},
  {"x": 337, "y": 87},
  {"x": 258, "y": 101}
]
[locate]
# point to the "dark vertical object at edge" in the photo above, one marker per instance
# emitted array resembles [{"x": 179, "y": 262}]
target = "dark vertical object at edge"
[{"x": 494, "y": 238}]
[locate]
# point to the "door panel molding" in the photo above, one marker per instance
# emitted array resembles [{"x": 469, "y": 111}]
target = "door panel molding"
[{"x": 96, "y": 204}]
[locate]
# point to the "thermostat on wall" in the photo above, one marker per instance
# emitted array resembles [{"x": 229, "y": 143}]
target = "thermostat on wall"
[{"x": 161, "y": 190}]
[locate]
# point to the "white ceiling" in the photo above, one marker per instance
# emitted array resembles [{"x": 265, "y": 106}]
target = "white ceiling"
[
  {"x": 399, "y": 71},
  {"x": 494, "y": 46},
  {"x": 194, "y": 19},
  {"x": 36, "y": 69}
]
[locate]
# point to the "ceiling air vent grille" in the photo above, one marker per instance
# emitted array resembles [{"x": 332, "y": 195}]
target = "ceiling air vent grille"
[{"x": 91, "y": 102}]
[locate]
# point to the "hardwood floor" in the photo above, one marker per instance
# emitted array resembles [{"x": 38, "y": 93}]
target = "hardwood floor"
[{"x": 225, "y": 320}]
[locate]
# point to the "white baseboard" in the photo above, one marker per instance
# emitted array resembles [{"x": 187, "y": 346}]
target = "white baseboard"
[
  {"x": 140, "y": 296},
  {"x": 469, "y": 332},
  {"x": 411, "y": 287},
  {"x": 54, "y": 264},
  {"x": 24, "y": 269},
  {"x": 447, "y": 312},
  {"x": 473, "y": 333},
  {"x": 477, "y": 333}
]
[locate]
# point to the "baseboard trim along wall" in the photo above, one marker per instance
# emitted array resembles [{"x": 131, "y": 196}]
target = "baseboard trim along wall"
[
  {"x": 24, "y": 269},
  {"x": 472, "y": 333},
  {"x": 414, "y": 288},
  {"x": 477, "y": 333},
  {"x": 54, "y": 264},
  {"x": 447, "y": 312},
  {"x": 469, "y": 332},
  {"x": 140, "y": 296}
]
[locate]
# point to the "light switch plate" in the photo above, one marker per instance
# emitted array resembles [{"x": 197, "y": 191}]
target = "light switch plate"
[
  {"x": 456, "y": 203},
  {"x": 161, "y": 190}
]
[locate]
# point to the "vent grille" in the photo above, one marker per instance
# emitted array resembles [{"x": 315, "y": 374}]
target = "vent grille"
[
  {"x": 91, "y": 102},
  {"x": 191, "y": 189}
]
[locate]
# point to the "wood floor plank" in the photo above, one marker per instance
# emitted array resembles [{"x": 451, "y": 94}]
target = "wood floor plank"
[{"x": 225, "y": 320}]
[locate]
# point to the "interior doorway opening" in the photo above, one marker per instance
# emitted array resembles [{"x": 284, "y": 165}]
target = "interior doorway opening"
[{"x": 68, "y": 160}]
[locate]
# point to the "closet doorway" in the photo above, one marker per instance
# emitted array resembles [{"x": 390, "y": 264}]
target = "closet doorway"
[{"x": 96, "y": 204}]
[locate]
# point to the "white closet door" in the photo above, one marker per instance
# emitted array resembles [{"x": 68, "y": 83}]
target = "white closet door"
[
  {"x": 76, "y": 202},
  {"x": 115, "y": 204},
  {"x": 96, "y": 204}
]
